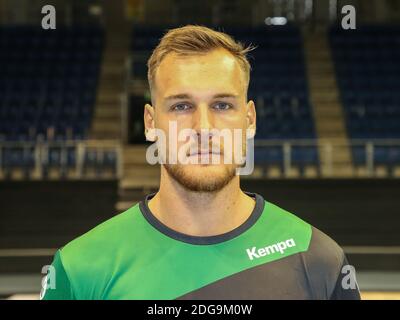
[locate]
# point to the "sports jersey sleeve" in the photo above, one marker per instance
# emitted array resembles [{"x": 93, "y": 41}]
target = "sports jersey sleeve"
[
  {"x": 346, "y": 287},
  {"x": 330, "y": 274},
  {"x": 56, "y": 284}
]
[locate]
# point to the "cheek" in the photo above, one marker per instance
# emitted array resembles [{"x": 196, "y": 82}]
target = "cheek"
[
  {"x": 163, "y": 122},
  {"x": 177, "y": 133},
  {"x": 232, "y": 122}
]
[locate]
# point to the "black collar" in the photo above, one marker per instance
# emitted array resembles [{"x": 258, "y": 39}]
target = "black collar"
[{"x": 206, "y": 240}]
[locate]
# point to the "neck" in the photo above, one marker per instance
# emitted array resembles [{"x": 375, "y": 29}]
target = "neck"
[{"x": 200, "y": 213}]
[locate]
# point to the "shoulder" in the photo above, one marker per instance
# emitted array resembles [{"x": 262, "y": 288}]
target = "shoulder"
[
  {"x": 331, "y": 274},
  {"x": 321, "y": 249},
  {"x": 322, "y": 260},
  {"x": 325, "y": 264},
  {"x": 324, "y": 250},
  {"x": 104, "y": 236},
  {"x": 284, "y": 224},
  {"x": 324, "y": 255},
  {"x": 282, "y": 218},
  {"x": 89, "y": 257}
]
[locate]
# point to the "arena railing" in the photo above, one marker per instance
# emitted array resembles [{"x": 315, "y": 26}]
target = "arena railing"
[
  {"x": 332, "y": 158},
  {"x": 73, "y": 158},
  {"x": 323, "y": 158}
]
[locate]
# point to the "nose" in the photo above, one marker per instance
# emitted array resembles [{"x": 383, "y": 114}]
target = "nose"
[{"x": 202, "y": 118}]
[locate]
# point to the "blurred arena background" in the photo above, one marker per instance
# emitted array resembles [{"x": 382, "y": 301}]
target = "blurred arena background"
[{"x": 72, "y": 147}]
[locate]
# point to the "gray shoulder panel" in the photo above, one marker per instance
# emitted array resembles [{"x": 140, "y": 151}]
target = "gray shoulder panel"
[{"x": 322, "y": 264}]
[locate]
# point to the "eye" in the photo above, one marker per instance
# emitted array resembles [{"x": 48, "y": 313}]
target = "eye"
[
  {"x": 181, "y": 107},
  {"x": 222, "y": 106}
]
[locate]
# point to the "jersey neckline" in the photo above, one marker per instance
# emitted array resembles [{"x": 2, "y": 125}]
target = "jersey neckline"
[{"x": 203, "y": 240}]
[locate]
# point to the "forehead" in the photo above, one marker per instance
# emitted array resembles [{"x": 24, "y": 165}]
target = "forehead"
[{"x": 212, "y": 71}]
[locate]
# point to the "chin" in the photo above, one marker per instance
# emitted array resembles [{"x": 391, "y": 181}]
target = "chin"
[{"x": 202, "y": 178}]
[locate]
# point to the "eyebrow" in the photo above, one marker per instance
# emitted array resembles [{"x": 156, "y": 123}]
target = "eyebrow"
[{"x": 188, "y": 96}]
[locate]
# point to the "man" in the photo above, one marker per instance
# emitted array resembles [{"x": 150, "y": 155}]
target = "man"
[{"x": 200, "y": 236}]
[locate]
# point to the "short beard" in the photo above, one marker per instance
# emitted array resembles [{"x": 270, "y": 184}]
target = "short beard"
[{"x": 190, "y": 184}]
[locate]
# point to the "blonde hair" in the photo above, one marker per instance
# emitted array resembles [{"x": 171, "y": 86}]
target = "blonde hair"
[{"x": 192, "y": 40}]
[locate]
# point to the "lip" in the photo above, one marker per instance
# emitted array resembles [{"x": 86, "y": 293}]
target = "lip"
[{"x": 203, "y": 153}]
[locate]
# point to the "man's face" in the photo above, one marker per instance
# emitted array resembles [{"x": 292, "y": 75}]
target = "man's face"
[{"x": 205, "y": 91}]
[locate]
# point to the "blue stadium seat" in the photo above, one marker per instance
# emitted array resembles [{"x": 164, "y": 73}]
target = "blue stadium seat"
[
  {"x": 367, "y": 70},
  {"x": 46, "y": 75}
]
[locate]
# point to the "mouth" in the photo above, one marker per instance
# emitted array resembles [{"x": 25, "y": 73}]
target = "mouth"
[{"x": 203, "y": 153}]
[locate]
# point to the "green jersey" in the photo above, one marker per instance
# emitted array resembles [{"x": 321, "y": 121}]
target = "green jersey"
[{"x": 272, "y": 255}]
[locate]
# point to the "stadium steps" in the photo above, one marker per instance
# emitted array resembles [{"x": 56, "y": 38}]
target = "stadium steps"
[
  {"x": 107, "y": 117},
  {"x": 324, "y": 95},
  {"x": 106, "y": 123}
]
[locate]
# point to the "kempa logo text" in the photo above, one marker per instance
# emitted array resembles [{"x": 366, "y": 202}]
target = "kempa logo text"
[{"x": 277, "y": 247}]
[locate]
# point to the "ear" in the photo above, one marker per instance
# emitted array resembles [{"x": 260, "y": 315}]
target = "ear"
[
  {"x": 251, "y": 118},
  {"x": 149, "y": 123}
]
